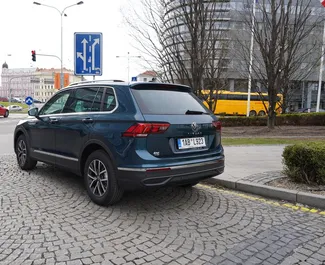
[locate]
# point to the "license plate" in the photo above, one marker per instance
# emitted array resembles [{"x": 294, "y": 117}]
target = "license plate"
[{"x": 187, "y": 143}]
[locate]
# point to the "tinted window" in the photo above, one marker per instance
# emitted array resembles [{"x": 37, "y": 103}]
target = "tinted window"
[
  {"x": 166, "y": 101},
  {"x": 86, "y": 99},
  {"x": 109, "y": 100},
  {"x": 56, "y": 104}
]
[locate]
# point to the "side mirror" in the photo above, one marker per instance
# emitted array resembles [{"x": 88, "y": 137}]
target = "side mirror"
[{"x": 33, "y": 112}]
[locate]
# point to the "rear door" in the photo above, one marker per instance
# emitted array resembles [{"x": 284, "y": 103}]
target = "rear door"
[{"x": 193, "y": 129}]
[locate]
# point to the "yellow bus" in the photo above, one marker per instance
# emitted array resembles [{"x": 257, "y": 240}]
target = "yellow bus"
[{"x": 235, "y": 103}]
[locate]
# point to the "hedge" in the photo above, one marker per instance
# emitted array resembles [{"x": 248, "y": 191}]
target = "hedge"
[
  {"x": 305, "y": 162},
  {"x": 301, "y": 119}
]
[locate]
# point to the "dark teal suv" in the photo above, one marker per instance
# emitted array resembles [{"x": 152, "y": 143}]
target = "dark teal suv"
[{"x": 121, "y": 136}]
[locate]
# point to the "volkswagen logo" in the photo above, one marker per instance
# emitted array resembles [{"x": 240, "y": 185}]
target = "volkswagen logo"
[{"x": 194, "y": 126}]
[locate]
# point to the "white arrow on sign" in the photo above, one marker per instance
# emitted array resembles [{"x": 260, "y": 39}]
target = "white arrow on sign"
[
  {"x": 82, "y": 55},
  {"x": 96, "y": 41}
]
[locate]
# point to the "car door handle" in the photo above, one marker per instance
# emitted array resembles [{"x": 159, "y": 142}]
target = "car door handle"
[
  {"x": 54, "y": 120},
  {"x": 87, "y": 120}
]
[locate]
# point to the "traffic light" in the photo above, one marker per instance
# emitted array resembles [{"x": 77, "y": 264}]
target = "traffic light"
[{"x": 34, "y": 56}]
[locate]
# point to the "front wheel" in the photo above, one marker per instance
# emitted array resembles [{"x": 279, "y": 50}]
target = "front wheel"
[
  {"x": 24, "y": 160},
  {"x": 6, "y": 114},
  {"x": 100, "y": 179},
  {"x": 252, "y": 113}
]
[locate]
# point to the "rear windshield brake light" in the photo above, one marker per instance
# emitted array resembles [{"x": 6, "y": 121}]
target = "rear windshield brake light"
[{"x": 144, "y": 129}]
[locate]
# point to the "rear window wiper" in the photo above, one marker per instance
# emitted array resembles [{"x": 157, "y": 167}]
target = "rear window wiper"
[{"x": 195, "y": 112}]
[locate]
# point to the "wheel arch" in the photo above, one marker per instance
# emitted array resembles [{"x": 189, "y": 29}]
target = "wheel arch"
[
  {"x": 18, "y": 133},
  {"x": 90, "y": 147}
]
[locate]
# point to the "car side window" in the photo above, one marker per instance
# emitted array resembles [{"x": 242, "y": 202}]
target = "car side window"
[
  {"x": 109, "y": 100},
  {"x": 86, "y": 99},
  {"x": 56, "y": 104}
]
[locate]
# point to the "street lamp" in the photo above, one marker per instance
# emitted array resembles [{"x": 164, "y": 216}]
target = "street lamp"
[
  {"x": 61, "y": 14},
  {"x": 128, "y": 56}
]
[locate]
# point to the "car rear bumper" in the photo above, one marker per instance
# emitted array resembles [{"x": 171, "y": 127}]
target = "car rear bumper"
[{"x": 139, "y": 178}]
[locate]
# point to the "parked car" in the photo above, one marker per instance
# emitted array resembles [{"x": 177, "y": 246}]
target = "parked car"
[
  {"x": 15, "y": 108},
  {"x": 15, "y": 100},
  {"x": 122, "y": 136},
  {"x": 4, "y": 99},
  {"x": 4, "y": 111}
]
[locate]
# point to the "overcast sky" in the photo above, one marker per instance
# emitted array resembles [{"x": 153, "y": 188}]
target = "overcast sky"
[{"x": 26, "y": 27}]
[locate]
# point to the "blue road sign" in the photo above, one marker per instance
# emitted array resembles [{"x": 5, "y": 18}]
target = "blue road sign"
[
  {"x": 29, "y": 100},
  {"x": 134, "y": 78},
  {"x": 88, "y": 48}
]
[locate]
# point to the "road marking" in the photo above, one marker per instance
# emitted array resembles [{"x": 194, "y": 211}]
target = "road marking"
[{"x": 267, "y": 201}]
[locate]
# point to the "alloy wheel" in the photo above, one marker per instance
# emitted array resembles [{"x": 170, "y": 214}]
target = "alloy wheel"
[
  {"x": 97, "y": 177},
  {"x": 22, "y": 152}
]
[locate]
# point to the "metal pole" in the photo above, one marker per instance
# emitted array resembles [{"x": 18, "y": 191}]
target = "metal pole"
[
  {"x": 251, "y": 61},
  {"x": 9, "y": 86},
  {"x": 128, "y": 67},
  {"x": 321, "y": 72},
  {"x": 61, "y": 78}
]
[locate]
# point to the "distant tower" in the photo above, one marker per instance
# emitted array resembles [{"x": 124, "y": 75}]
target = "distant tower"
[{"x": 5, "y": 65}]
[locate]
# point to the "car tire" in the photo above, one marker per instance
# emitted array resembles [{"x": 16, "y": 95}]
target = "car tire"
[
  {"x": 6, "y": 114},
  {"x": 24, "y": 160},
  {"x": 190, "y": 185},
  {"x": 261, "y": 113},
  {"x": 100, "y": 179}
]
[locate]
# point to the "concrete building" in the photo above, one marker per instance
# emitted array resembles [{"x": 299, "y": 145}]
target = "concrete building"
[
  {"x": 229, "y": 20},
  {"x": 35, "y": 82}
]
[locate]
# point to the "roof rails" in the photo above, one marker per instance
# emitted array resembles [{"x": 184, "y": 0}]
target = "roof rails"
[{"x": 95, "y": 81}]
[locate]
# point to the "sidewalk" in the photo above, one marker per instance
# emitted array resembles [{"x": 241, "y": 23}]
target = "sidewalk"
[
  {"x": 249, "y": 168},
  {"x": 244, "y": 161}
]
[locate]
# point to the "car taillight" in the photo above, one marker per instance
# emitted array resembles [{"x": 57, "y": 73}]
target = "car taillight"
[
  {"x": 217, "y": 125},
  {"x": 143, "y": 129}
]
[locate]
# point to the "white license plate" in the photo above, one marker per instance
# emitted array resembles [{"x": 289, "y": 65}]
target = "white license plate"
[{"x": 187, "y": 143}]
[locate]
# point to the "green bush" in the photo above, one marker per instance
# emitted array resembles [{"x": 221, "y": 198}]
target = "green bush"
[
  {"x": 305, "y": 162},
  {"x": 297, "y": 119}
]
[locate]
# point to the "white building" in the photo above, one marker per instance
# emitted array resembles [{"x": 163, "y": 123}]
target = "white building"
[
  {"x": 147, "y": 76},
  {"x": 38, "y": 83}
]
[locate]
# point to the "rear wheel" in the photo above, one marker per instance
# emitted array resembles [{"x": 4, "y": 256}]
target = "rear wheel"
[
  {"x": 22, "y": 152},
  {"x": 100, "y": 179},
  {"x": 261, "y": 113},
  {"x": 6, "y": 114},
  {"x": 252, "y": 113}
]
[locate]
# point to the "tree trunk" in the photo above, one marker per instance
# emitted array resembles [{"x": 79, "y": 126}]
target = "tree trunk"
[
  {"x": 271, "y": 121},
  {"x": 271, "y": 118}
]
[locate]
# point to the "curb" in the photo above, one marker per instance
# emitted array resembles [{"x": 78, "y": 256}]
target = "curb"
[{"x": 294, "y": 196}]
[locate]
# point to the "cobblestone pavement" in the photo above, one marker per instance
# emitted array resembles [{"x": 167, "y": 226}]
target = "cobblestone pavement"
[{"x": 47, "y": 218}]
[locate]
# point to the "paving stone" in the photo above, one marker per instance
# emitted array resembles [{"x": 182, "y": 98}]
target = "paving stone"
[{"x": 46, "y": 217}]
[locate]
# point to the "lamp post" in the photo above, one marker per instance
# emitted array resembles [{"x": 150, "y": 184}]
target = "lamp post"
[
  {"x": 128, "y": 56},
  {"x": 61, "y": 14}
]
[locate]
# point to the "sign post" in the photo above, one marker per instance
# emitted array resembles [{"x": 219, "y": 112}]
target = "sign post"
[{"x": 88, "y": 53}]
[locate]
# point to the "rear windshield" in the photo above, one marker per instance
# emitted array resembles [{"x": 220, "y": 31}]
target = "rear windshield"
[{"x": 166, "y": 101}]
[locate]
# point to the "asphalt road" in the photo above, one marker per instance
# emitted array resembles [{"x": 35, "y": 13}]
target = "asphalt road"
[{"x": 7, "y": 127}]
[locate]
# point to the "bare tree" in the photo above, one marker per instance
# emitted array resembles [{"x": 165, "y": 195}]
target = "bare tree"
[
  {"x": 184, "y": 40},
  {"x": 286, "y": 39}
]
